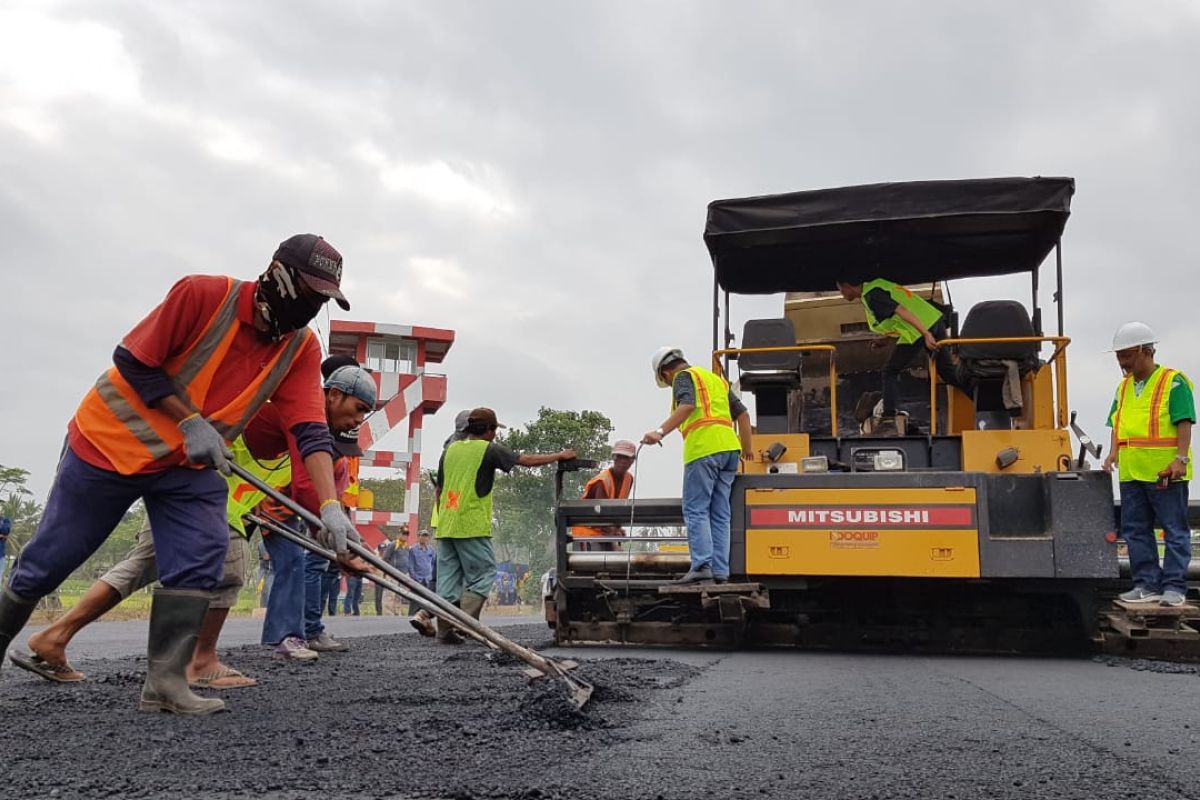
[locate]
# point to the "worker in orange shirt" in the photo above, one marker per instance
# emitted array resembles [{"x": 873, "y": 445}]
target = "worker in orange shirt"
[{"x": 613, "y": 483}]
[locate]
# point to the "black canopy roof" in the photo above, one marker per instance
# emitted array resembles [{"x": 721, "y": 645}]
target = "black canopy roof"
[{"x": 906, "y": 232}]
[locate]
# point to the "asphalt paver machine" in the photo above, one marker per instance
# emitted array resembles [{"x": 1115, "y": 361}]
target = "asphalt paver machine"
[{"x": 978, "y": 529}]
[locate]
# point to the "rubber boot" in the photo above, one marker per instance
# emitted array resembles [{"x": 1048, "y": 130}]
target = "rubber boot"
[
  {"x": 14, "y": 613},
  {"x": 473, "y": 603},
  {"x": 175, "y": 619},
  {"x": 446, "y": 633}
]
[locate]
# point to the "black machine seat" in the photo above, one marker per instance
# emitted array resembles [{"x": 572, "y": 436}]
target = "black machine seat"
[
  {"x": 994, "y": 319},
  {"x": 986, "y": 367},
  {"x": 777, "y": 370}
]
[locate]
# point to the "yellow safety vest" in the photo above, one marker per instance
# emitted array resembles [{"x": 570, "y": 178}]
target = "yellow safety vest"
[
  {"x": 709, "y": 428},
  {"x": 1147, "y": 440},
  {"x": 243, "y": 496},
  {"x": 894, "y": 325}
]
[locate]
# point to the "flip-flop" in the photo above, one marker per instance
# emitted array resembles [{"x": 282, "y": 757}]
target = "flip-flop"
[
  {"x": 59, "y": 673},
  {"x": 224, "y": 678}
]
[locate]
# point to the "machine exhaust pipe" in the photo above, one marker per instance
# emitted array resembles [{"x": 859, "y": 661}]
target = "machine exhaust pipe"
[{"x": 637, "y": 562}]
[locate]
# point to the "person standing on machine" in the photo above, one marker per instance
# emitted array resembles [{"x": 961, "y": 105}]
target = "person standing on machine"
[
  {"x": 1151, "y": 419},
  {"x": 612, "y": 483},
  {"x": 706, "y": 413}
]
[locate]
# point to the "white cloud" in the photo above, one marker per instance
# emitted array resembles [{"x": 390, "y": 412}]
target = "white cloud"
[{"x": 465, "y": 186}]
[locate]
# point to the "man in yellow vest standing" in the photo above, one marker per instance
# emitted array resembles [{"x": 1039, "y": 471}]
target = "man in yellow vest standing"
[
  {"x": 1151, "y": 419},
  {"x": 466, "y": 562},
  {"x": 706, "y": 413},
  {"x": 184, "y": 383},
  {"x": 916, "y": 325}
]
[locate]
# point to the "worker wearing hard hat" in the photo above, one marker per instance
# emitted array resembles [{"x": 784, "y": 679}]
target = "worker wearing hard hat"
[
  {"x": 611, "y": 483},
  {"x": 706, "y": 414},
  {"x": 1151, "y": 418}
]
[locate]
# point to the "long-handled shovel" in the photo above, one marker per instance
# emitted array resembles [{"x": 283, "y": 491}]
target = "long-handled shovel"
[
  {"x": 578, "y": 690},
  {"x": 311, "y": 546}
]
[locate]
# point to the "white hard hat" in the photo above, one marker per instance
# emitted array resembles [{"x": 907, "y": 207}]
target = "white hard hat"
[
  {"x": 1133, "y": 334},
  {"x": 661, "y": 356}
]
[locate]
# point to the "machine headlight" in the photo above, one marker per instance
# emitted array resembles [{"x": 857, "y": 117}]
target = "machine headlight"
[{"x": 889, "y": 460}]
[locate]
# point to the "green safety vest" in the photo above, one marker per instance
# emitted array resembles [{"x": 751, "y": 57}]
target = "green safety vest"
[
  {"x": 463, "y": 514},
  {"x": 1147, "y": 441},
  {"x": 921, "y": 308},
  {"x": 243, "y": 497},
  {"x": 709, "y": 428}
]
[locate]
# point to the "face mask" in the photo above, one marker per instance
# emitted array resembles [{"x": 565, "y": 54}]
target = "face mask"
[{"x": 284, "y": 307}]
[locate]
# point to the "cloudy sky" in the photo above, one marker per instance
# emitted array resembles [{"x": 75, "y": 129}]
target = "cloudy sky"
[{"x": 535, "y": 175}]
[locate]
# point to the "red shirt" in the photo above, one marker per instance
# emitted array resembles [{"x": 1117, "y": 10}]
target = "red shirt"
[
  {"x": 267, "y": 437},
  {"x": 179, "y": 321}
]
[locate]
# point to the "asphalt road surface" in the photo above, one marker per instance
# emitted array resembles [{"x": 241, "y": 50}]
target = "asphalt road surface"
[{"x": 401, "y": 717}]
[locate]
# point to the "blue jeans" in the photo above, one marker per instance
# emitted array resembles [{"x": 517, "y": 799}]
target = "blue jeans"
[
  {"x": 354, "y": 591},
  {"x": 285, "y": 606},
  {"x": 1141, "y": 504},
  {"x": 707, "y": 484},
  {"x": 186, "y": 509},
  {"x": 330, "y": 583},
  {"x": 315, "y": 569}
]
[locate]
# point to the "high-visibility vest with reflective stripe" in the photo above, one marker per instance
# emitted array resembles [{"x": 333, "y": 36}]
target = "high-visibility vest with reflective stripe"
[
  {"x": 463, "y": 514},
  {"x": 350, "y": 496},
  {"x": 611, "y": 491},
  {"x": 132, "y": 435},
  {"x": 243, "y": 496},
  {"x": 1147, "y": 440},
  {"x": 921, "y": 308},
  {"x": 709, "y": 428}
]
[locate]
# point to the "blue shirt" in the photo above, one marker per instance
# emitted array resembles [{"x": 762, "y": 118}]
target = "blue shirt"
[{"x": 420, "y": 562}]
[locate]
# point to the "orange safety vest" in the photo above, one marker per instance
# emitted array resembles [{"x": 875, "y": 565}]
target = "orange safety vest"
[
  {"x": 350, "y": 496},
  {"x": 612, "y": 491},
  {"x": 131, "y": 435}
]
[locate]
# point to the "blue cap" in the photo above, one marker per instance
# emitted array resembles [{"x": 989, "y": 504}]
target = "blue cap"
[{"x": 354, "y": 381}]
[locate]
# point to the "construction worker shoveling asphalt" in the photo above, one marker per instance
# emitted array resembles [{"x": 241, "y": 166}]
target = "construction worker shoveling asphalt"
[{"x": 578, "y": 690}]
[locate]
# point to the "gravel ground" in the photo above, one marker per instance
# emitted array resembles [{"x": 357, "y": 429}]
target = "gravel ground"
[{"x": 399, "y": 717}]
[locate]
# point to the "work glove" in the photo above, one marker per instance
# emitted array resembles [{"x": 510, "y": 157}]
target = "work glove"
[
  {"x": 203, "y": 445},
  {"x": 338, "y": 528}
]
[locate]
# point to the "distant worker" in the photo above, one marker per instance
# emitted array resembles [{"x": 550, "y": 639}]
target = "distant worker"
[
  {"x": 5, "y": 531},
  {"x": 705, "y": 412},
  {"x": 1151, "y": 419},
  {"x": 184, "y": 382},
  {"x": 421, "y": 564},
  {"x": 916, "y": 324},
  {"x": 613, "y": 483},
  {"x": 466, "y": 561}
]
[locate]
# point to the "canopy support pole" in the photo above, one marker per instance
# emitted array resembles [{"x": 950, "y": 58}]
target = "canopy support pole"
[
  {"x": 1058, "y": 298},
  {"x": 1037, "y": 311},
  {"x": 716, "y": 309},
  {"x": 728, "y": 335}
]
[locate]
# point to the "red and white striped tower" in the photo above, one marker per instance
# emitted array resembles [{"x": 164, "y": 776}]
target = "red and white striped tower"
[{"x": 397, "y": 356}]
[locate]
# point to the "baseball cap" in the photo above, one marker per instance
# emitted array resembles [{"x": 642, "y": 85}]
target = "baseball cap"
[
  {"x": 354, "y": 381},
  {"x": 424, "y": 532},
  {"x": 624, "y": 447},
  {"x": 317, "y": 262},
  {"x": 461, "y": 419},
  {"x": 346, "y": 443},
  {"x": 483, "y": 416}
]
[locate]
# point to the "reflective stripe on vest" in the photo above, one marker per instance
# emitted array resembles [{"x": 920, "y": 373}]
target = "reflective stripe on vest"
[
  {"x": 709, "y": 428},
  {"x": 920, "y": 308},
  {"x": 611, "y": 492},
  {"x": 1147, "y": 439},
  {"x": 132, "y": 436}
]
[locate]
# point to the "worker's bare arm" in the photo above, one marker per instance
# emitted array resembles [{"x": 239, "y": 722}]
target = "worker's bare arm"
[{"x": 542, "y": 459}]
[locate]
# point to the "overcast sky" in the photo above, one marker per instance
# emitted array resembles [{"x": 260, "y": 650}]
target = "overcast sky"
[{"x": 535, "y": 175}]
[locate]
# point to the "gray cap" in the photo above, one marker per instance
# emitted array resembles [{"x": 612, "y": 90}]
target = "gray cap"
[
  {"x": 460, "y": 421},
  {"x": 354, "y": 381}
]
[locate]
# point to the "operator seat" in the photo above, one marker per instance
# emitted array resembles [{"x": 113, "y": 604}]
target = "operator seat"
[
  {"x": 770, "y": 376},
  {"x": 994, "y": 373}
]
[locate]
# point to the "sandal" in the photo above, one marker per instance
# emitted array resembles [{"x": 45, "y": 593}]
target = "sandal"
[
  {"x": 224, "y": 678},
  {"x": 59, "y": 673}
]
